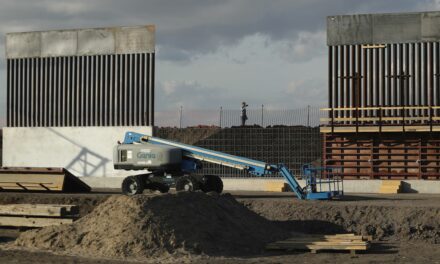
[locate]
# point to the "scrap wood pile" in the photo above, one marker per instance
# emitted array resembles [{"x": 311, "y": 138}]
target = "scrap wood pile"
[
  {"x": 314, "y": 243},
  {"x": 37, "y": 215}
]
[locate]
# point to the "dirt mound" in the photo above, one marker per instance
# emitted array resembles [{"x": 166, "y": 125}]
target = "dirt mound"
[
  {"x": 160, "y": 225},
  {"x": 394, "y": 222}
]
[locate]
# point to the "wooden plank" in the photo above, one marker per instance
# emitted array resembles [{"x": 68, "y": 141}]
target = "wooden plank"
[
  {"x": 32, "y": 221},
  {"x": 392, "y": 182},
  {"x": 322, "y": 243},
  {"x": 319, "y": 247},
  {"x": 391, "y": 186},
  {"x": 377, "y": 46},
  {"x": 314, "y": 243},
  {"x": 315, "y": 236},
  {"x": 318, "y": 236},
  {"x": 51, "y": 210},
  {"x": 381, "y": 108},
  {"x": 12, "y": 181},
  {"x": 335, "y": 239},
  {"x": 339, "y": 247},
  {"x": 352, "y": 129}
]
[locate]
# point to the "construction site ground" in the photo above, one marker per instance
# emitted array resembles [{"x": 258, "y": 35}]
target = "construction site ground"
[{"x": 405, "y": 228}]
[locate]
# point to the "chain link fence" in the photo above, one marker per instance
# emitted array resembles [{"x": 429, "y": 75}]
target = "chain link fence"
[
  {"x": 307, "y": 116},
  {"x": 290, "y": 137}
]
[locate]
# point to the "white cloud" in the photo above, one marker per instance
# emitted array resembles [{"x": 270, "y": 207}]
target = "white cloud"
[
  {"x": 216, "y": 53},
  {"x": 429, "y": 5},
  {"x": 68, "y": 7},
  {"x": 251, "y": 70},
  {"x": 294, "y": 87},
  {"x": 306, "y": 46},
  {"x": 168, "y": 87}
]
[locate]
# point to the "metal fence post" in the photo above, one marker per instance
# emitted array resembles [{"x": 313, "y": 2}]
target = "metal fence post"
[
  {"x": 220, "y": 117},
  {"x": 180, "y": 118},
  {"x": 308, "y": 116}
]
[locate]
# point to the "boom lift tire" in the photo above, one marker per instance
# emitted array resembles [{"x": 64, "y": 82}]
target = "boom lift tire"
[
  {"x": 132, "y": 185},
  {"x": 157, "y": 186},
  {"x": 212, "y": 183},
  {"x": 187, "y": 183}
]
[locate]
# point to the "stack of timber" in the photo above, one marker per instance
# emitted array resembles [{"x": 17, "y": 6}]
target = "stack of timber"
[
  {"x": 391, "y": 187},
  {"x": 40, "y": 180},
  {"x": 37, "y": 215},
  {"x": 314, "y": 243}
]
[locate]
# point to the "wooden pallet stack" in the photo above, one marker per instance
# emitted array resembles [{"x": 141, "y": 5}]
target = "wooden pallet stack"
[
  {"x": 37, "y": 215},
  {"x": 33, "y": 179},
  {"x": 315, "y": 243},
  {"x": 391, "y": 186}
]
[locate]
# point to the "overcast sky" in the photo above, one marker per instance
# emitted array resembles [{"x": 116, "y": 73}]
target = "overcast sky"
[{"x": 213, "y": 53}]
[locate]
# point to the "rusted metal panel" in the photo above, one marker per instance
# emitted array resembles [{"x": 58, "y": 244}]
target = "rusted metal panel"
[{"x": 388, "y": 156}]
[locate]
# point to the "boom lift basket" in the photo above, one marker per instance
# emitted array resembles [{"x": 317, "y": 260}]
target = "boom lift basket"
[{"x": 322, "y": 183}]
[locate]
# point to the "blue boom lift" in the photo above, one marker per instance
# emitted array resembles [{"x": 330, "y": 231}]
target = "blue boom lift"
[{"x": 175, "y": 163}]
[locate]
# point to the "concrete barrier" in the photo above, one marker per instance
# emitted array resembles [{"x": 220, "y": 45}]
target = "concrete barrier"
[
  {"x": 84, "y": 151},
  {"x": 275, "y": 185}
]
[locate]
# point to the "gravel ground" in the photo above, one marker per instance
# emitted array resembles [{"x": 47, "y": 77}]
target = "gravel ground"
[{"x": 286, "y": 211}]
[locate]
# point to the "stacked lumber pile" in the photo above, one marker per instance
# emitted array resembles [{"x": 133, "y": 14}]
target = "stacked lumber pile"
[
  {"x": 391, "y": 186},
  {"x": 34, "y": 179},
  {"x": 314, "y": 243},
  {"x": 37, "y": 215}
]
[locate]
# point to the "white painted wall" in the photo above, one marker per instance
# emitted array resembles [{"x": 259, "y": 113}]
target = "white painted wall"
[
  {"x": 253, "y": 184},
  {"x": 350, "y": 186},
  {"x": 84, "y": 151}
]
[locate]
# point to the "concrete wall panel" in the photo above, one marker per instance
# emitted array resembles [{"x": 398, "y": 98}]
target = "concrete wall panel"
[
  {"x": 84, "y": 151},
  {"x": 23, "y": 45},
  {"x": 383, "y": 28},
  {"x": 396, "y": 28},
  {"x": 58, "y": 43},
  {"x": 430, "y": 26},
  {"x": 134, "y": 39},
  {"x": 262, "y": 184},
  {"x": 96, "y": 41},
  {"x": 356, "y": 29}
]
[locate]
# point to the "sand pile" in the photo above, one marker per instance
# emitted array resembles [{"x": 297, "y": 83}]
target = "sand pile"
[{"x": 161, "y": 225}]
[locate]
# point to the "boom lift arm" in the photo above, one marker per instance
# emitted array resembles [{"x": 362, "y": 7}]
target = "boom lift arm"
[{"x": 192, "y": 154}]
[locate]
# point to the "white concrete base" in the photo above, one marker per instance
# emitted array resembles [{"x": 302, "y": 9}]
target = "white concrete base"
[
  {"x": 84, "y": 151},
  {"x": 243, "y": 184},
  {"x": 104, "y": 182},
  {"x": 350, "y": 186}
]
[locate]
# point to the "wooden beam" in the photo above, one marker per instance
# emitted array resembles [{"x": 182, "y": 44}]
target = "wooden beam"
[
  {"x": 32, "y": 221},
  {"x": 51, "y": 210}
]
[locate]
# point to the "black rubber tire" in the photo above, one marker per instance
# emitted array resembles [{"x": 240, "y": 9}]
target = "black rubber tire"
[
  {"x": 133, "y": 185},
  {"x": 164, "y": 188},
  {"x": 157, "y": 186},
  {"x": 187, "y": 184},
  {"x": 212, "y": 183}
]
